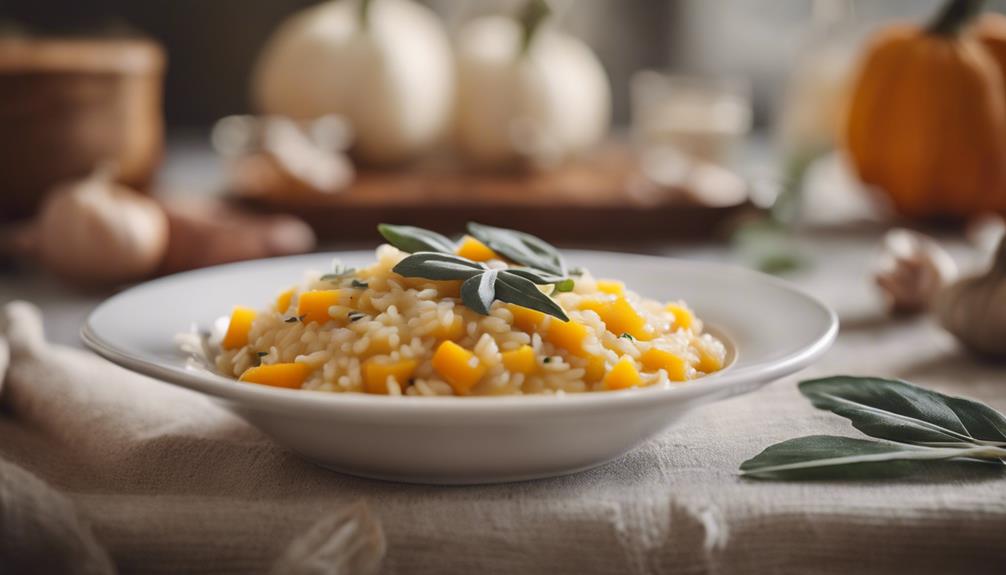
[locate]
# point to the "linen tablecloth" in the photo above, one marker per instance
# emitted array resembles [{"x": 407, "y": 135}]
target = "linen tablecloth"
[{"x": 139, "y": 476}]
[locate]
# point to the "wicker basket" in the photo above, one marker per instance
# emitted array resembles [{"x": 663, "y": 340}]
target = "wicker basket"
[{"x": 69, "y": 104}]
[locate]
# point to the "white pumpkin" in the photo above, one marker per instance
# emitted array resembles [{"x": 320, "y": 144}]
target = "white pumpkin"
[
  {"x": 542, "y": 104},
  {"x": 384, "y": 65}
]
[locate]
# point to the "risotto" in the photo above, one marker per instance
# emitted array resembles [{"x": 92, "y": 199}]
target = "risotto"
[{"x": 494, "y": 314}]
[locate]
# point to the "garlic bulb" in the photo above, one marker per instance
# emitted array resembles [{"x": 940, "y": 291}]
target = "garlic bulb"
[
  {"x": 94, "y": 231},
  {"x": 974, "y": 309},
  {"x": 275, "y": 154},
  {"x": 384, "y": 65},
  {"x": 912, "y": 270},
  {"x": 527, "y": 91}
]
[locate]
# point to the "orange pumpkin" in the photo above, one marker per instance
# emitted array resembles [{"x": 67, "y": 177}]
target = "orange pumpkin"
[
  {"x": 991, "y": 32},
  {"x": 927, "y": 119}
]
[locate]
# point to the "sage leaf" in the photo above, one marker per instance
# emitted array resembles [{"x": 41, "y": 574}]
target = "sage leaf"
[
  {"x": 437, "y": 266},
  {"x": 536, "y": 276},
  {"x": 520, "y": 247},
  {"x": 899, "y": 411},
  {"x": 512, "y": 288},
  {"x": 412, "y": 239},
  {"x": 478, "y": 292},
  {"x": 835, "y": 457}
]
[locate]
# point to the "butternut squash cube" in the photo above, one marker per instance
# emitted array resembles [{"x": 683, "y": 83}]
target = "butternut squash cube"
[
  {"x": 654, "y": 359},
  {"x": 708, "y": 363},
  {"x": 475, "y": 250},
  {"x": 458, "y": 366},
  {"x": 447, "y": 288},
  {"x": 520, "y": 360},
  {"x": 378, "y": 346},
  {"x": 683, "y": 317},
  {"x": 376, "y": 373},
  {"x": 623, "y": 375},
  {"x": 526, "y": 319},
  {"x": 283, "y": 300},
  {"x": 568, "y": 335},
  {"x": 313, "y": 305},
  {"x": 594, "y": 370},
  {"x": 595, "y": 305},
  {"x": 613, "y": 287},
  {"x": 289, "y": 375},
  {"x": 620, "y": 317},
  {"x": 238, "y": 328}
]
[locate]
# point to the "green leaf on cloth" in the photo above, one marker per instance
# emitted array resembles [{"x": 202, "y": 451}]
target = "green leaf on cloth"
[
  {"x": 836, "y": 457},
  {"x": 899, "y": 411}
]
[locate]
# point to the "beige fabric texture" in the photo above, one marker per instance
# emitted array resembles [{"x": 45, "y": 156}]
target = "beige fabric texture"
[{"x": 107, "y": 471}]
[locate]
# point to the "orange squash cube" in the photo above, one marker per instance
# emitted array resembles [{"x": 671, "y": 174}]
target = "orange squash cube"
[
  {"x": 377, "y": 372},
  {"x": 283, "y": 300},
  {"x": 623, "y": 375},
  {"x": 458, "y": 366},
  {"x": 238, "y": 328},
  {"x": 654, "y": 359},
  {"x": 313, "y": 305},
  {"x": 594, "y": 370},
  {"x": 683, "y": 317},
  {"x": 613, "y": 287},
  {"x": 595, "y": 305},
  {"x": 378, "y": 346},
  {"x": 620, "y": 317},
  {"x": 520, "y": 360},
  {"x": 475, "y": 250},
  {"x": 289, "y": 375},
  {"x": 526, "y": 319},
  {"x": 567, "y": 335},
  {"x": 708, "y": 363}
]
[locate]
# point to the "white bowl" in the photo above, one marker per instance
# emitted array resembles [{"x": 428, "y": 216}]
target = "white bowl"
[{"x": 771, "y": 328}]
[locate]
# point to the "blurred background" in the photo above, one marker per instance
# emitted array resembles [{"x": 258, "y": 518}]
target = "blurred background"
[
  {"x": 212, "y": 45},
  {"x": 169, "y": 135}
]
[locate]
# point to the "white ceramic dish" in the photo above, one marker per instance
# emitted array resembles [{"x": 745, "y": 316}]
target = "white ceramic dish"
[{"x": 771, "y": 328}]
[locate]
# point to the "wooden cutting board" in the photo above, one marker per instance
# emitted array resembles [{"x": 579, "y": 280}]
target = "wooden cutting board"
[{"x": 599, "y": 198}]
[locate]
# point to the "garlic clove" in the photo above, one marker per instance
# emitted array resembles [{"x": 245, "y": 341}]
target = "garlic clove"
[
  {"x": 277, "y": 155},
  {"x": 973, "y": 309},
  {"x": 911, "y": 270},
  {"x": 96, "y": 232}
]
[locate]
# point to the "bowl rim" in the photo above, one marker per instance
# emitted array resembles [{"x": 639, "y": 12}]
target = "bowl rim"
[{"x": 723, "y": 383}]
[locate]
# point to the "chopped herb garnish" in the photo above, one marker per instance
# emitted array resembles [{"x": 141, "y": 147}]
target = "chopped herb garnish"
[
  {"x": 339, "y": 271},
  {"x": 547, "y": 359},
  {"x": 627, "y": 336},
  {"x": 291, "y": 320},
  {"x": 358, "y": 284},
  {"x": 565, "y": 285},
  {"x": 262, "y": 353},
  {"x": 356, "y": 315}
]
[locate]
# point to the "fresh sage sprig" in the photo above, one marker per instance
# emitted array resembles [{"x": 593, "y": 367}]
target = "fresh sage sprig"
[
  {"x": 481, "y": 286},
  {"x": 534, "y": 253},
  {"x": 411, "y": 239},
  {"x": 540, "y": 263},
  {"x": 525, "y": 249},
  {"x": 917, "y": 425}
]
